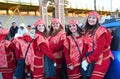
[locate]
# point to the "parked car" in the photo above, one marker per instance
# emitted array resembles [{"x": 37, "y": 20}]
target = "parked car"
[{"x": 114, "y": 69}]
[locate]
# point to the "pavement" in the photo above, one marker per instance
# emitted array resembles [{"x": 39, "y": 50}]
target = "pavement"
[{"x": 2, "y": 78}]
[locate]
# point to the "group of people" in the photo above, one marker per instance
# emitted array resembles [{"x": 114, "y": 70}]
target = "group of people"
[
  {"x": 70, "y": 47},
  {"x": 16, "y": 31}
]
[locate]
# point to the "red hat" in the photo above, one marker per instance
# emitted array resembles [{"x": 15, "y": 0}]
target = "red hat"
[
  {"x": 39, "y": 21},
  {"x": 54, "y": 20},
  {"x": 94, "y": 13},
  {"x": 73, "y": 21}
]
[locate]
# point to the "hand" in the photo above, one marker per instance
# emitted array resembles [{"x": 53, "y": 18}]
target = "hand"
[
  {"x": 71, "y": 67},
  {"x": 55, "y": 64},
  {"x": 84, "y": 65}
]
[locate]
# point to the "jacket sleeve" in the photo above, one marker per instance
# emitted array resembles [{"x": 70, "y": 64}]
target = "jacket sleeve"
[
  {"x": 98, "y": 48},
  {"x": 15, "y": 51},
  {"x": 67, "y": 53},
  {"x": 85, "y": 49},
  {"x": 46, "y": 50}
]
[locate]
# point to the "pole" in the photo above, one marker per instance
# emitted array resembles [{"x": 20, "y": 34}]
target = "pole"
[
  {"x": 111, "y": 7},
  {"x": 95, "y": 5}
]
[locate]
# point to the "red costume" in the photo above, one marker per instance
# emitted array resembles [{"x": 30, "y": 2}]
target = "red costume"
[
  {"x": 102, "y": 53},
  {"x": 20, "y": 45},
  {"x": 7, "y": 61},
  {"x": 56, "y": 45},
  {"x": 41, "y": 48},
  {"x": 73, "y": 56}
]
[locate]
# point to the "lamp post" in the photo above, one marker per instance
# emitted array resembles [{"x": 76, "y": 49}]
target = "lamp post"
[{"x": 95, "y": 5}]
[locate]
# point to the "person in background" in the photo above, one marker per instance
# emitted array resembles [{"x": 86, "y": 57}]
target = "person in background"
[
  {"x": 20, "y": 45},
  {"x": 31, "y": 30},
  {"x": 56, "y": 39},
  {"x": 22, "y": 29},
  {"x": 13, "y": 29},
  {"x": 98, "y": 39},
  {"x": 72, "y": 54}
]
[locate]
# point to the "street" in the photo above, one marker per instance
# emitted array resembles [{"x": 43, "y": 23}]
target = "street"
[{"x": 2, "y": 78}]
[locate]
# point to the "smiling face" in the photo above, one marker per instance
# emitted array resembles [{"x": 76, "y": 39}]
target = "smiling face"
[
  {"x": 73, "y": 28},
  {"x": 41, "y": 28},
  {"x": 92, "y": 20},
  {"x": 56, "y": 25}
]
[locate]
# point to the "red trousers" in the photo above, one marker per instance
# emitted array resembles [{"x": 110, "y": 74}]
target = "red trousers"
[
  {"x": 74, "y": 74},
  {"x": 7, "y": 75},
  {"x": 100, "y": 70}
]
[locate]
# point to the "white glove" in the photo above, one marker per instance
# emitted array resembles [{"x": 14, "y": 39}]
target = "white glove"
[
  {"x": 71, "y": 67},
  {"x": 55, "y": 64},
  {"x": 84, "y": 65}
]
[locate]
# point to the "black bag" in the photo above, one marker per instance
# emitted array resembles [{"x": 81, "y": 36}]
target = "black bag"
[
  {"x": 20, "y": 69},
  {"x": 63, "y": 71},
  {"x": 49, "y": 68},
  {"x": 88, "y": 73}
]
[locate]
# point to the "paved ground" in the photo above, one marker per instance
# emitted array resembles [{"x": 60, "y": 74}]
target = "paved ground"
[{"x": 13, "y": 78}]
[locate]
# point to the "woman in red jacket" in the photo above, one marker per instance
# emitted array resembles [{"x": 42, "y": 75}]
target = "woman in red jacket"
[
  {"x": 56, "y": 38},
  {"x": 98, "y": 39},
  {"x": 7, "y": 61},
  {"x": 72, "y": 54},
  {"x": 19, "y": 46},
  {"x": 41, "y": 48}
]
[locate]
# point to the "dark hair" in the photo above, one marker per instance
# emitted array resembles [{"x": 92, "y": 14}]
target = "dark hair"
[
  {"x": 92, "y": 27},
  {"x": 7, "y": 37},
  {"x": 78, "y": 29},
  {"x": 29, "y": 25},
  {"x": 13, "y": 23},
  {"x": 51, "y": 30},
  {"x": 45, "y": 33}
]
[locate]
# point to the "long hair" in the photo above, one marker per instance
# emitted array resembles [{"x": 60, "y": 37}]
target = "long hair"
[
  {"x": 51, "y": 31},
  {"x": 92, "y": 27},
  {"x": 78, "y": 29}
]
